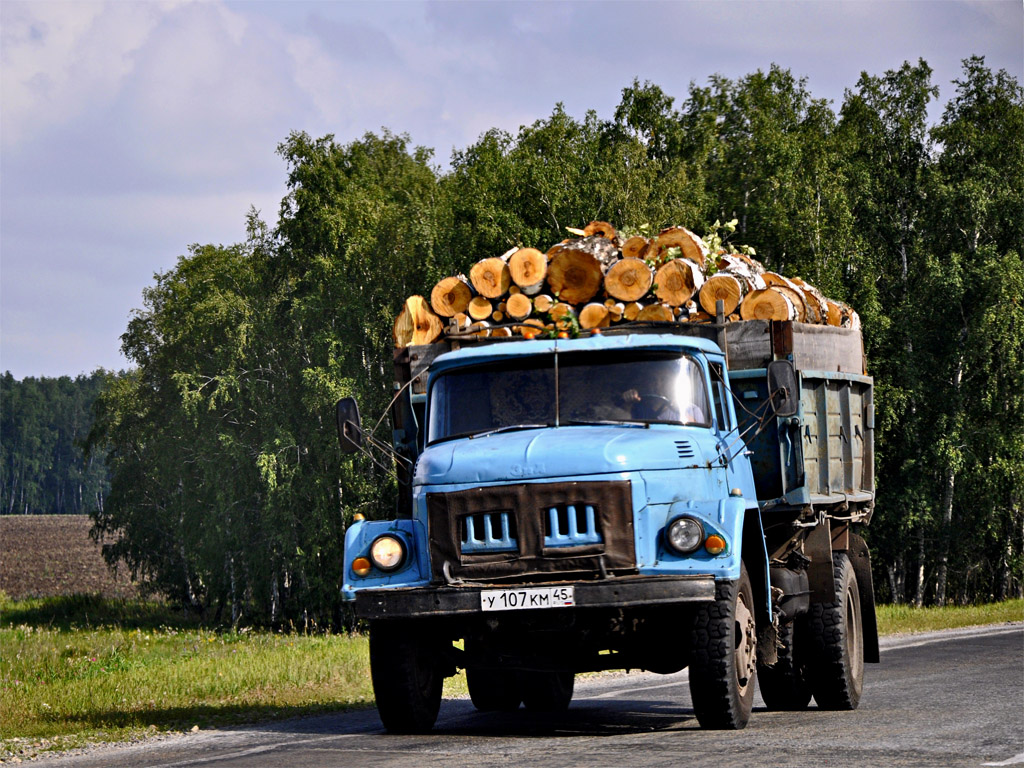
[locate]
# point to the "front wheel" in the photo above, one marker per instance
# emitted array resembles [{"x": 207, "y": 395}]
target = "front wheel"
[
  {"x": 723, "y": 669},
  {"x": 837, "y": 638},
  {"x": 406, "y": 677}
]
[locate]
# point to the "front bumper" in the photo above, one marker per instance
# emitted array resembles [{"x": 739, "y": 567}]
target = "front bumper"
[{"x": 465, "y": 600}]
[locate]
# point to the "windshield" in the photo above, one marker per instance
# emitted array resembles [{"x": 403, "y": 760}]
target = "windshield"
[{"x": 593, "y": 388}]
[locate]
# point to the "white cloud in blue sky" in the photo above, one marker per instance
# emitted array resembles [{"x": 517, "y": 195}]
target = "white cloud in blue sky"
[{"x": 130, "y": 129}]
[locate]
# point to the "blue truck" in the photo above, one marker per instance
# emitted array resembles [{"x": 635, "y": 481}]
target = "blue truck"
[{"x": 656, "y": 497}]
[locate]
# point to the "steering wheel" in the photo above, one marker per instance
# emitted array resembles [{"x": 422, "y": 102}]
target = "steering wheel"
[{"x": 655, "y": 407}]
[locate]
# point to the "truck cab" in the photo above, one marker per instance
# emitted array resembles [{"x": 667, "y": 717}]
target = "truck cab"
[{"x": 587, "y": 504}]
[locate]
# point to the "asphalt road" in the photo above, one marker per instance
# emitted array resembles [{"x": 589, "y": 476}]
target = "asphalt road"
[{"x": 953, "y": 698}]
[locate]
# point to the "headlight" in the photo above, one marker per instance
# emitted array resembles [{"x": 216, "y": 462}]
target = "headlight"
[
  {"x": 387, "y": 552},
  {"x": 684, "y": 535}
]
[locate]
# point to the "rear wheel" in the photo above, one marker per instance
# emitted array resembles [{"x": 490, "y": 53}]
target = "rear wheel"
[
  {"x": 784, "y": 685},
  {"x": 406, "y": 676},
  {"x": 837, "y": 643},
  {"x": 724, "y": 665},
  {"x": 547, "y": 691}
]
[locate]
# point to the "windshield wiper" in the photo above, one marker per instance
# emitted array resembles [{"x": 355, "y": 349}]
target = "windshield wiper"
[
  {"x": 508, "y": 428},
  {"x": 605, "y": 423}
]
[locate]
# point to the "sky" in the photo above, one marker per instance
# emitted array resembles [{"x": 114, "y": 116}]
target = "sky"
[{"x": 129, "y": 130}]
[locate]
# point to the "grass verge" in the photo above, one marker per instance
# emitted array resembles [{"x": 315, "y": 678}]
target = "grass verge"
[
  {"x": 899, "y": 619},
  {"x": 76, "y": 670}
]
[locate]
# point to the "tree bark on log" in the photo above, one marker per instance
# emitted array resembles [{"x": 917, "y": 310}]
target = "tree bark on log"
[
  {"x": 817, "y": 304},
  {"x": 451, "y": 296},
  {"x": 528, "y": 268},
  {"x": 789, "y": 289},
  {"x": 628, "y": 279},
  {"x": 490, "y": 277}
]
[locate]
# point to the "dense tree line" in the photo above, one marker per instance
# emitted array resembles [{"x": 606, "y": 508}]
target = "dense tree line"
[
  {"x": 229, "y": 490},
  {"x": 43, "y": 424}
]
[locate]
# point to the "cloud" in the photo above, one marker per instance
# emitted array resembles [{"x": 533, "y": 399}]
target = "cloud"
[{"x": 130, "y": 129}]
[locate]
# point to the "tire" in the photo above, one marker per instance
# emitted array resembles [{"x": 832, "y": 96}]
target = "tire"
[
  {"x": 493, "y": 690},
  {"x": 723, "y": 670},
  {"x": 836, "y": 662},
  {"x": 784, "y": 685},
  {"x": 406, "y": 677},
  {"x": 547, "y": 691}
]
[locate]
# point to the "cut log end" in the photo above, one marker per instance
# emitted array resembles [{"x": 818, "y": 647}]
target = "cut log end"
[
  {"x": 602, "y": 228},
  {"x": 657, "y": 313},
  {"x": 450, "y": 296},
  {"x": 634, "y": 248},
  {"x": 767, "y": 304},
  {"x": 491, "y": 277},
  {"x": 528, "y": 268},
  {"x": 574, "y": 276},
  {"x": 628, "y": 279},
  {"x": 480, "y": 308},
  {"x": 416, "y": 323},
  {"x": 721, "y": 286},
  {"x": 518, "y": 306},
  {"x": 594, "y": 316},
  {"x": 677, "y": 280}
]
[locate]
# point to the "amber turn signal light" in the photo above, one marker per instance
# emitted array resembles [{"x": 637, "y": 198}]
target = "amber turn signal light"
[
  {"x": 361, "y": 566},
  {"x": 714, "y": 544}
]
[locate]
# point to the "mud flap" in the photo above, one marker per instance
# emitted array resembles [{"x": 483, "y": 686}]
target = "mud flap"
[
  {"x": 860, "y": 558},
  {"x": 818, "y": 547}
]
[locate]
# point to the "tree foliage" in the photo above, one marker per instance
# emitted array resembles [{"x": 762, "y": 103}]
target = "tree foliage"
[
  {"x": 43, "y": 422},
  {"x": 229, "y": 491}
]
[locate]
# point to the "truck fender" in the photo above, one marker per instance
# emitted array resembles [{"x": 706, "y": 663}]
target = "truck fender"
[
  {"x": 860, "y": 559},
  {"x": 755, "y": 555}
]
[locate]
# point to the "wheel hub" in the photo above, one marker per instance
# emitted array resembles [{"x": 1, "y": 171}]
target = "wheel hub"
[{"x": 746, "y": 644}]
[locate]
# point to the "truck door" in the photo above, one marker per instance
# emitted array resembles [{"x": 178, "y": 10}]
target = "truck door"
[{"x": 729, "y": 443}]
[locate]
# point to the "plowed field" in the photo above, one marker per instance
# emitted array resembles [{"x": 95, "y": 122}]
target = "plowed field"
[{"x": 47, "y": 555}]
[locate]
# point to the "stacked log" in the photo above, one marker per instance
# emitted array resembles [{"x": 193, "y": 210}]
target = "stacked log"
[{"x": 601, "y": 278}]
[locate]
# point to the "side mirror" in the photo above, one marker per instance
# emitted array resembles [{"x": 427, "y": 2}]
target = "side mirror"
[
  {"x": 782, "y": 388},
  {"x": 350, "y": 433}
]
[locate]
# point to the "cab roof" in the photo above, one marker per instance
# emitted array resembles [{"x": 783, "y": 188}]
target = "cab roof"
[{"x": 597, "y": 343}]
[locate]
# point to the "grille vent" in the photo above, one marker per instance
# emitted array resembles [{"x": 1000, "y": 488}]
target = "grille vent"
[
  {"x": 488, "y": 532},
  {"x": 684, "y": 449},
  {"x": 571, "y": 525}
]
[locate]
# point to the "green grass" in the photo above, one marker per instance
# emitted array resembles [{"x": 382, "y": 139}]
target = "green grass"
[
  {"x": 77, "y": 670},
  {"x": 897, "y": 619}
]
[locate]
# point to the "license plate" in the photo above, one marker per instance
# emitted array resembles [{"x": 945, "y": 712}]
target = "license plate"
[{"x": 527, "y": 598}]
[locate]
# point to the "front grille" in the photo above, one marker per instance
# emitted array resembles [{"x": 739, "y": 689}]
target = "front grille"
[
  {"x": 523, "y": 531},
  {"x": 570, "y": 525},
  {"x": 488, "y": 532}
]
